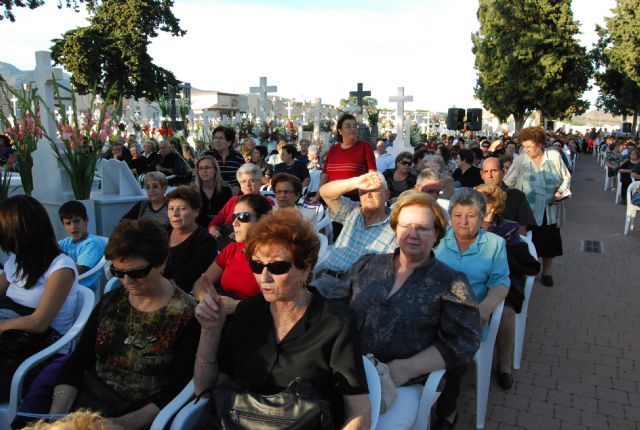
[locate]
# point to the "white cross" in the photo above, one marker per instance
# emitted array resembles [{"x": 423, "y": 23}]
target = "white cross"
[
  {"x": 263, "y": 89},
  {"x": 317, "y": 112},
  {"x": 42, "y": 75},
  {"x": 399, "y": 100},
  {"x": 14, "y": 100},
  {"x": 70, "y": 114},
  {"x": 289, "y": 109},
  {"x": 304, "y": 117}
]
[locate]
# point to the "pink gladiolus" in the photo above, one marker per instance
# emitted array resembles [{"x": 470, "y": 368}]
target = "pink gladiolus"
[
  {"x": 74, "y": 147},
  {"x": 103, "y": 136}
]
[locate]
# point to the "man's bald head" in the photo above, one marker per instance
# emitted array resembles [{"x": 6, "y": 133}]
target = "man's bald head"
[{"x": 491, "y": 171}]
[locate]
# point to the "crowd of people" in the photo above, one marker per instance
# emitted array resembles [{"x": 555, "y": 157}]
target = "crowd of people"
[{"x": 222, "y": 280}]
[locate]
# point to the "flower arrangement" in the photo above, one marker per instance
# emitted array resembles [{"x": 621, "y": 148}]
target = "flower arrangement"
[
  {"x": 24, "y": 131},
  {"x": 82, "y": 137},
  {"x": 248, "y": 128},
  {"x": 273, "y": 130},
  {"x": 327, "y": 125},
  {"x": 373, "y": 115}
]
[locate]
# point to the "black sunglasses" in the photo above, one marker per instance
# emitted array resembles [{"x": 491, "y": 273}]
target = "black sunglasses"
[
  {"x": 405, "y": 162},
  {"x": 133, "y": 274},
  {"x": 243, "y": 217},
  {"x": 275, "y": 267}
]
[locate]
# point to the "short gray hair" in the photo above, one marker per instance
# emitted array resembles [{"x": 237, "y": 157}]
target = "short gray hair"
[
  {"x": 249, "y": 169},
  {"x": 436, "y": 159},
  {"x": 469, "y": 197},
  {"x": 428, "y": 174},
  {"x": 313, "y": 149}
]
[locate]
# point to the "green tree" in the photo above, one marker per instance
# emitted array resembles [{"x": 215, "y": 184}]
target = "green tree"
[
  {"x": 619, "y": 94},
  {"x": 528, "y": 58},
  {"x": 112, "y": 49},
  {"x": 8, "y": 5},
  {"x": 624, "y": 30}
]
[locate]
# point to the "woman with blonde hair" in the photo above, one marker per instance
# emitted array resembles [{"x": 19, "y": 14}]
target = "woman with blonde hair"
[{"x": 214, "y": 191}]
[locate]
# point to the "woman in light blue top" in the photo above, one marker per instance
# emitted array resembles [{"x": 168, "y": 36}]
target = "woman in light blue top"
[
  {"x": 545, "y": 180},
  {"x": 482, "y": 257}
]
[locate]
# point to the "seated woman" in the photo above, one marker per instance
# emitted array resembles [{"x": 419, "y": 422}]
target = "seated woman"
[
  {"x": 400, "y": 179},
  {"x": 415, "y": 313},
  {"x": 286, "y": 332},
  {"x": 626, "y": 168},
  {"x": 521, "y": 264},
  {"x": 480, "y": 255},
  {"x": 214, "y": 192},
  {"x": 138, "y": 163},
  {"x": 37, "y": 288},
  {"x": 155, "y": 184},
  {"x": 436, "y": 163},
  {"x": 258, "y": 157},
  {"x": 231, "y": 269},
  {"x": 250, "y": 179},
  {"x": 137, "y": 350},
  {"x": 192, "y": 248}
]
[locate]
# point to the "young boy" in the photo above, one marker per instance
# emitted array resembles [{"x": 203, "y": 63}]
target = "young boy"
[{"x": 84, "y": 248}]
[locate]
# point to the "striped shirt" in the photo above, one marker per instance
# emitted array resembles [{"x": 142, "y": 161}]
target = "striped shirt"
[{"x": 229, "y": 166}]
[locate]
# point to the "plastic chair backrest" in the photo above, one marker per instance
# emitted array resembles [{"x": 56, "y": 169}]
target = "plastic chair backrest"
[
  {"x": 84, "y": 306},
  {"x": 375, "y": 390}
]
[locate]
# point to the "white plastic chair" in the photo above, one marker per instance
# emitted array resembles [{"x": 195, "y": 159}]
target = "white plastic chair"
[
  {"x": 323, "y": 224},
  {"x": 631, "y": 208},
  {"x": 618, "y": 189},
  {"x": 112, "y": 284},
  {"x": 267, "y": 191},
  {"x": 188, "y": 416},
  {"x": 607, "y": 180},
  {"x": 375, "y": 390},
  {"x": 483, "y": 359},
  {"x": 573, "y": 162},
  {"x": 84, "y": 306},
  {"x": 429, "y": 397},
  {"x": 99, "y": 267},
  {"x": 324, "y": 247},
  {"x": 521, "y": 318},
  {"x": 164, "y": 416}
]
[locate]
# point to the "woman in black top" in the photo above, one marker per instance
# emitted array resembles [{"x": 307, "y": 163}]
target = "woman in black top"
[
  {"x": 400, "y": 179},
  {"x": 193, "y": 249},
  {"x": 467, "y": 175},
  {"x": 228, "y": 159},
  {"x": 214, "y": 192},
  {"x": 286, "y": 332}
]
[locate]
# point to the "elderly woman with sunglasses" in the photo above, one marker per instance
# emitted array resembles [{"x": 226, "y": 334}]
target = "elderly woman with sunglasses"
[
  {"x": 138, "y": 347},
  {"x": 400, "y": 179},
  {"x": 288, "y": 331},
  {"x": 230, "y": 270}
]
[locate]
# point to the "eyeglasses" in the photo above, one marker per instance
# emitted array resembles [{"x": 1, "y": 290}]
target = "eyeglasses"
[
  {"x": 420, "y": 229},
  {"x": 432, "y": 191},
  {"x": 350, "y": 125},
  {"x": 275, "y": 267},
  {"x": 405, "y": 162},
  {"x": 243, "y": 217},
  {"x": 133, "y": 274}
]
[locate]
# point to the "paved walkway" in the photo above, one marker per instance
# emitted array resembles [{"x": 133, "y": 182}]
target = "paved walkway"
[{"x": 581, "y": 360}]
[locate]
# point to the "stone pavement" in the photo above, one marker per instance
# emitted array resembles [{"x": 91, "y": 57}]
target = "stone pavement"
[{"x": 581, "y": 361}]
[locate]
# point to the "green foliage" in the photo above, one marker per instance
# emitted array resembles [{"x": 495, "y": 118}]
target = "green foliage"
[
  {"x": 112, "y": 50},
  {"x": 624, "y": 30},
  {"x": 8, "y": 6},
  {"x": 528, "y": 58}
]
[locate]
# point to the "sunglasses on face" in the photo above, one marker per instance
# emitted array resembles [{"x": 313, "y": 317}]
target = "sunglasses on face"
[
  {"x": 275, "y": 267},
  {"x": 243, "y": 217},
  {"x": 133, "y": 274},
  {"x": 405, "y": 162}
]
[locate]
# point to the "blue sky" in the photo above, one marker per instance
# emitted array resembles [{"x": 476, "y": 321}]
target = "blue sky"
[{"x": 309, "y": 49}]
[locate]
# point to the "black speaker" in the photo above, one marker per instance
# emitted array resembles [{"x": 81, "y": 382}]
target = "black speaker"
[
  {"x": 626, "y": 127},
  {"x": 455, "y": 119},
  {"x": 474, "y": 119},
  {"x": 549, "y": 125}
]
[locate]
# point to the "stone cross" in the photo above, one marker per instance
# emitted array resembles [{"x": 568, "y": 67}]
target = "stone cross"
[
  {"x": 70, "y": 114},
  {"x": 289, "y": 109},
  {"x": 317, "y": 112},
  {"x": 205, "y": 126},
  {"x": 263, "y": 89},
  {"x": 399, "y": 100},
  {"x": 14, "y": 100},
  {"x": 360, "y": 94},
  {"x": 43, "y": 76}
]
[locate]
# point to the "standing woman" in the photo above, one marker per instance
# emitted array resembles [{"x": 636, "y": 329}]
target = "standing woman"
[
  {"x": 37, "y": 289},
  {"x": 214, "y": 192},
  {"x": 228, "y": 159},
  {"x": 545, "y": 180},
  {"x": 350, "y": 157}
]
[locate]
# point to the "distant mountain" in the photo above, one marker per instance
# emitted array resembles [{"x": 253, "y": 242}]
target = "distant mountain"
[{"x": 12, "y": 74}]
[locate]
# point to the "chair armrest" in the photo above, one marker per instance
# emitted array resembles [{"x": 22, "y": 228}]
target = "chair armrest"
[{"x": 172, "y": 408}]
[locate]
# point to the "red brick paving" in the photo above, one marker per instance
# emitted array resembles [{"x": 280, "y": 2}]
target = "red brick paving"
[{"x": 581, "y": 362}]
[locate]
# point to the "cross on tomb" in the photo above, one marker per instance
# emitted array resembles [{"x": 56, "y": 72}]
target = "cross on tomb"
[
  {"x": 317, "y": 113},
  {"x": 399, "y": 99},
  {"x": 263, "y": 89},
  {"x": 70, "y": 114},
  {"x": 360, "y": 94},
  {"x": 289, "y": 109},
  {"x": 43, "y": 76}
]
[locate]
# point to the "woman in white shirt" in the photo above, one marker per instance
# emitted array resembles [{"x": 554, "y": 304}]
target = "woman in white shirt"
[{"x": 38, "y": 287}]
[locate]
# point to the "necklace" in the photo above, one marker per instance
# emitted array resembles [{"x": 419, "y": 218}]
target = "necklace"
[{"x": 133, "y": 338}]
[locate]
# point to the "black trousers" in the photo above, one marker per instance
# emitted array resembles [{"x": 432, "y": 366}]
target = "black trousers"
[{"x": 447, "y": 401}]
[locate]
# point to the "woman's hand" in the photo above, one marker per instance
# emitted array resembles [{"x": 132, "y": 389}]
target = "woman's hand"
[
  {"x": 211, "y": 312},
  {"x": 228, "y": 304},
  {"x": 400, "y": 372},
  {"x": 489, "y": 215},
  {"x": 213, "y": 231}
]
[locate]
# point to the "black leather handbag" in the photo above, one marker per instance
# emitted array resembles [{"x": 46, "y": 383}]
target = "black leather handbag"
[{"x": 295, "y": 408}]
